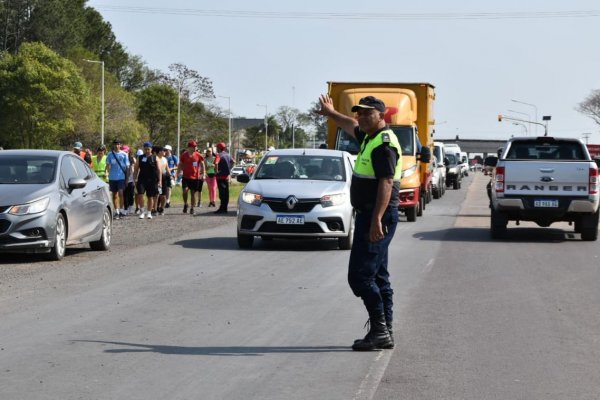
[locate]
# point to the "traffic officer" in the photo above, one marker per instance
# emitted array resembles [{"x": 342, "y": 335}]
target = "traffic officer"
[{"x": 374, "y": 196}]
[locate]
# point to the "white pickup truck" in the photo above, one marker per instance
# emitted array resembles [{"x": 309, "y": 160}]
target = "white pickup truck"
[{"x": 544, "y": 180}]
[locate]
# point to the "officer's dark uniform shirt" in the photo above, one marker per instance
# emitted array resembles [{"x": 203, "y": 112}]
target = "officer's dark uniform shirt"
[{"x": 363, "y": 191}]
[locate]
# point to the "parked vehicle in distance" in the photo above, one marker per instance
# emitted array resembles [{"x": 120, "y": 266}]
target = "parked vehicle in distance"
[
  {"x": 464, "y": 163},
  {"x": 453, "y": 171},
  {"x": 439, "y": 153},
  {"x": 437, "y": 180},
  {"x": 238, "y": 169},
  {"x": 297, "y": 193},
  {"x": 544, "y": 180},
  {"x": 51, "y": 199}
]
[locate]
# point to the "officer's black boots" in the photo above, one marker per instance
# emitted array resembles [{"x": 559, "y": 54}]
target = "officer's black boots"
[{"x": 378, "y": 337}]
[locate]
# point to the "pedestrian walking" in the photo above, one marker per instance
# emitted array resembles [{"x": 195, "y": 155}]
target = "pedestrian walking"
[
  {"x": 224, "y": 165},
  {"x": 99, "y": 162},
  {"x": 117, "y": 164},
  {"x": 85, "y": 154},
  {"x": 163, "y": 165},
  {"x": 211, "y": 162},
  {"x": 173, "y": 161},
  {"x": 191, "y": 164},
  {"x": 148, "y": 179},
  {"x": 374, "y": 195},
  {"x": 129, "y": 192}
]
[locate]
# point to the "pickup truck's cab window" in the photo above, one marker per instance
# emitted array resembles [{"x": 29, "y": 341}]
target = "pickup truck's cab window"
[{"x": 558, "y": 150}]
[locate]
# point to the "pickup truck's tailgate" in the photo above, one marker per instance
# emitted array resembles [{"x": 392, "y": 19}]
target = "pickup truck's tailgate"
[{"x": 557, "y": 178}]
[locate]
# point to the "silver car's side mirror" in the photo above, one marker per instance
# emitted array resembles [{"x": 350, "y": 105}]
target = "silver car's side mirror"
[{"x": 77, "y": 183}]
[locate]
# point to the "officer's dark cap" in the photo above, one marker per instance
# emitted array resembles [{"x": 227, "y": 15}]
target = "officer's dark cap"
[{"x": 369, "y": 102}]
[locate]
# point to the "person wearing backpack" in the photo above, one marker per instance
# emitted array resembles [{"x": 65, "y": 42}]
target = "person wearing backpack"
[
  {"x": 224, "y": 166},
  {"x": 117, "y": 164}
]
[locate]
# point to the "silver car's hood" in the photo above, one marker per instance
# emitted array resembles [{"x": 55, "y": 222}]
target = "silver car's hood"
[
  {"x": 12, "y": 194},
  {"x": 302, "y": 188}
]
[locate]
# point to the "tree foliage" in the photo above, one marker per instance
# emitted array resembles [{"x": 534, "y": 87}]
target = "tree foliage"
[
  {"x": 157, "y": 111},
  {"x": 591, "y": 106},
  {"x": 40, "y": 93}
]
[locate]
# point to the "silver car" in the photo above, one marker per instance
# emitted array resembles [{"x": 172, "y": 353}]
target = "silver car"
[
  {"x": 297, "y": 193},
  {"x": 51, "y": 199}
]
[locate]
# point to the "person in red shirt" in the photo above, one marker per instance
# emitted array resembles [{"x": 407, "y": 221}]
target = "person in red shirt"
[{"x": 191, "y": 163}]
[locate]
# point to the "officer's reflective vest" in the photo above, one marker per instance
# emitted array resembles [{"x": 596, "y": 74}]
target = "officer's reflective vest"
[
  {"x": 99, "y": 167},
  {"x": 364, "y": 167}
]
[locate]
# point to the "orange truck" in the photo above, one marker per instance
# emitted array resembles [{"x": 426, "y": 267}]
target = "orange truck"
[{"x": 409, "y": 113}]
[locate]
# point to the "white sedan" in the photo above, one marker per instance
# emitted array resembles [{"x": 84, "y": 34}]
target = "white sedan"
[{"x": 297, "y": 193}]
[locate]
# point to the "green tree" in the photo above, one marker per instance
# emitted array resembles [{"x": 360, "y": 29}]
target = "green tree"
[
  {"x": 255, "y": 136},
  {"x": 157, "y": 111},
  {"x": 40, "y": 92}
]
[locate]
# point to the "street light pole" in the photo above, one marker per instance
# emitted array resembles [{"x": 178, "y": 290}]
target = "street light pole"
[
  {"x": 179, "y": 86},
  {"x": 530, "y": 105},
  {"x": 521, "y": 124},
  {"x": 102, "y": 97},
  {"x": 522, "y": 113},
  {"x": 229, "y": 114},
  {"x": 266, "y": 125}
]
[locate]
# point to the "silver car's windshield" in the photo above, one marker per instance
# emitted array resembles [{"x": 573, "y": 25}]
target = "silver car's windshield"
[
  {"x": 316, "y": 167},
  {"x": 27, "y": 170}
]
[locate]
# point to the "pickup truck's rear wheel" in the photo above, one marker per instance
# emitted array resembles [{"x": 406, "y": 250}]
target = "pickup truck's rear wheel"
[
  {"x": 498, "y": 223},
  {"x": 456, "y": 184},
  {"x": 589, "y": 227}
]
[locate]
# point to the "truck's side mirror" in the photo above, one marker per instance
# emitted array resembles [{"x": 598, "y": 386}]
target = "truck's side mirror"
[
  {"x": 425, "y": 154},
  {"x": 490, "y": 161}
]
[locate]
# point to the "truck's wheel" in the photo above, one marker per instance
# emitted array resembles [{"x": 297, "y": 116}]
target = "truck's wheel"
[
  {"x": 455, "y": 184},
  {"x": 411, "y": 214},
  {"x": 421, "y": 206},
  {"x": 589, "y": 227},
  {"x": 436, "y": 193},
  {"x": 498, "y": 223}
]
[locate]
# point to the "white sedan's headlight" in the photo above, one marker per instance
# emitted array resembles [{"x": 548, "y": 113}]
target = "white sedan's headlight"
[
  {"x": 252, "y": 198},
  {"x": 408, "y": 172},
  {"x": 330, "y": 200},
  {"x": 35, "y": 207}
]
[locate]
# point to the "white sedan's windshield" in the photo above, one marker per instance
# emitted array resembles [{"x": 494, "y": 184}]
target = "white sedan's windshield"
[{"x": 314, "y": 167}]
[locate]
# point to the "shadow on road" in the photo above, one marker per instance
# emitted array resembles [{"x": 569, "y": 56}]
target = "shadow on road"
[
  {"x": 229, "y": 243},
  {"x": 215, "y": 351},
  {"x": 515, "y": 234}
]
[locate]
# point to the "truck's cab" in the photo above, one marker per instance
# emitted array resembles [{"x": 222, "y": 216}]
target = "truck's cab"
[{"x": 413, "y": 130}]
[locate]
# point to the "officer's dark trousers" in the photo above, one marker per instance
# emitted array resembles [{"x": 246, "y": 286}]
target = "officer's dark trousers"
[
  {"x": 368, "y": 269},
  {"x": 223, "y": 186}
]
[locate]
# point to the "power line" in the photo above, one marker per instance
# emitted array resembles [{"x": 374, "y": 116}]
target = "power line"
[{"x": 351, "y": 16}]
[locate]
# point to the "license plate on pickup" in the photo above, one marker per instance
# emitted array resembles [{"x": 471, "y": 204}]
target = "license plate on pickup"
[
  {"x": 290, "y": 219},
  {"x": 546, "y": 203}
]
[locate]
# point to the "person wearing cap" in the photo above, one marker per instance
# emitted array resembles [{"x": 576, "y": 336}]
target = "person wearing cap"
[
  {"x": 374, "y": 195},
  {"x": 99, "y": 162},
  {"x": 172, "y": 161},
  {"x": 85, "y": 154},
  {"x": 148, "y": 178},
  {"x": 192, "y": 166},
  {"x": 117, "y": 164},
  {"x": 224, "y": 166}
]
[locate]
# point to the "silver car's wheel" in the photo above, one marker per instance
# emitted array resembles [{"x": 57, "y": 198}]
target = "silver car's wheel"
[
  {"x": 57, "y": 252},
  {"x": 245, "y": 241},
  {"x": 104, "y": 242}
]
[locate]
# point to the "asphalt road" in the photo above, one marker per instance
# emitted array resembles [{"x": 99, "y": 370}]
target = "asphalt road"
[{"x": 193, "y": 317}]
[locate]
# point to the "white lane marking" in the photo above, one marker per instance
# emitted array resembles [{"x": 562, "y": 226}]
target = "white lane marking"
[
  {"x": 427, "y": 268},
  {"x": 369, "y": 385}
]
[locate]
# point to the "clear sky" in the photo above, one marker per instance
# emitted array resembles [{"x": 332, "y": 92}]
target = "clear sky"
[{"x": 478, "y": 54}]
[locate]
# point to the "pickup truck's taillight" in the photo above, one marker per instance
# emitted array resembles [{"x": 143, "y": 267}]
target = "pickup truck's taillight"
[
  {"x": 499, "y": 180},
  {"x": 593, "y": 180}
]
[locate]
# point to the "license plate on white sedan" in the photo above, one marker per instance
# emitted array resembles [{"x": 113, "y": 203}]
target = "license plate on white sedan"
[
  {"x": 546, "y": 203},
  {"x": 290, "y": 219}
]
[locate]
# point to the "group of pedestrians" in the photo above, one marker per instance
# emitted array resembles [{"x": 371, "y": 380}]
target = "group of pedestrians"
[{"x": 141, "y": 184}]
